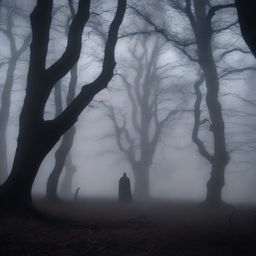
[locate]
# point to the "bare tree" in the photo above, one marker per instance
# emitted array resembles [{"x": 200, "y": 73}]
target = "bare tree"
[
  {"x": 63, "y": 156},
  {"x": 63, "y": 152},
  {"x": 154, "y": 103},
  {"x": 199, "y": 49},
  {"x": 201, "y": 25},
  {"x": 37, "y": 136},
  {"x": 15, "y": 53}
]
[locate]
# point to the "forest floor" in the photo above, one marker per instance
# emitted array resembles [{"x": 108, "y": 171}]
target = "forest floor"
[{"x": 105, "y": 227}]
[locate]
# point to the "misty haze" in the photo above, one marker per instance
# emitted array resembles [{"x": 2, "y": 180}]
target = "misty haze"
[{"x": 127, "y": 127}]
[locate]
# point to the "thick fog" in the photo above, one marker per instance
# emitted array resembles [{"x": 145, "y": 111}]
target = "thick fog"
[{"x": 178, "y": 170}]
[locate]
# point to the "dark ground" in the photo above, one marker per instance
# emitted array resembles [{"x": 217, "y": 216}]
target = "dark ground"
[{"x": 104, "y": 227}]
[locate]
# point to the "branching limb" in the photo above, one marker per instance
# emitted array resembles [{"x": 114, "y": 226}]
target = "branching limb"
[
  {"x": 224, "y": 54},
  {"x": 226, "y": 27},
  {"x": 216, "y": 8},
  {"x": 228, "y": 72},
  {"x": 188, "y": 11},
  {"x": 131, "y": 97},
  {"x": 123, "y": 139},
  {"x": 40, "y": 25},
  {"x": 197, "y": 122},
  {"x": 70, "y": 115},
  {"x": 71, "y": 55}
]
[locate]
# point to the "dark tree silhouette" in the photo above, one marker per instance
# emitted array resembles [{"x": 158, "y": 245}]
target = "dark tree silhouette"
[
  {"x": 70, "y": 170},
  {"x": 199, "y": 49},
  {"x": 67, "y": 141},
  {"x": 15, "y": 53},
  {"x": 247, "y": 19},
  {"x": 37, "y": 136},
  {"x": 201, "y": 25}
]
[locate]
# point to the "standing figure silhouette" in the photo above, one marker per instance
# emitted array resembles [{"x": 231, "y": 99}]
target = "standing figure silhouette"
[{"x": 125, "y": 194}]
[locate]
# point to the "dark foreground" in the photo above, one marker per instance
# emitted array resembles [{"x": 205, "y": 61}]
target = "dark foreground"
[{"x": 103, "y": 227}]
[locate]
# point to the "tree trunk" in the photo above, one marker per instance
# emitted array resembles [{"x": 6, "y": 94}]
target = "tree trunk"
[
  {"x": 4, "y": 116},
  {"x": 3, "y": 156},
  {"x": 216, "y": 183},
  {"x": 221, "y": 157},
  {"x": 141, "y": 183},
  {"x": 36, "y": 138},
  {"x": 7, "y": 90},
  {"x": 15, "y": 193},
  {"x": 60, "y": 157},
  {"x": 67, "y": 141},
  {"x": 70, "y": 169},
  {"x": 206, "y": 61}
]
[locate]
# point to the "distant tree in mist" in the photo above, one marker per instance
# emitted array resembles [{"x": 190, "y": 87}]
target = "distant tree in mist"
[
  {"x": 62, "y": 155},
  {"x": 37, "y": 136},
  {"x": 205, "y": 29},
  {"x": 155, "y": 100},
  {"x": 197, "y": 45},
  {"x": 7, "y": 28},
  {"x": 244, "y": 143}
]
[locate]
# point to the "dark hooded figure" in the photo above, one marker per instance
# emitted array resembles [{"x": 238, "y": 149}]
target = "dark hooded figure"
[{"x": 125, "y": 189}]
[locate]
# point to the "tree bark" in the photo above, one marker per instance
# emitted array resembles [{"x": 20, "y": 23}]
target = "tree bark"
[{"x": 4, "y": 116}]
